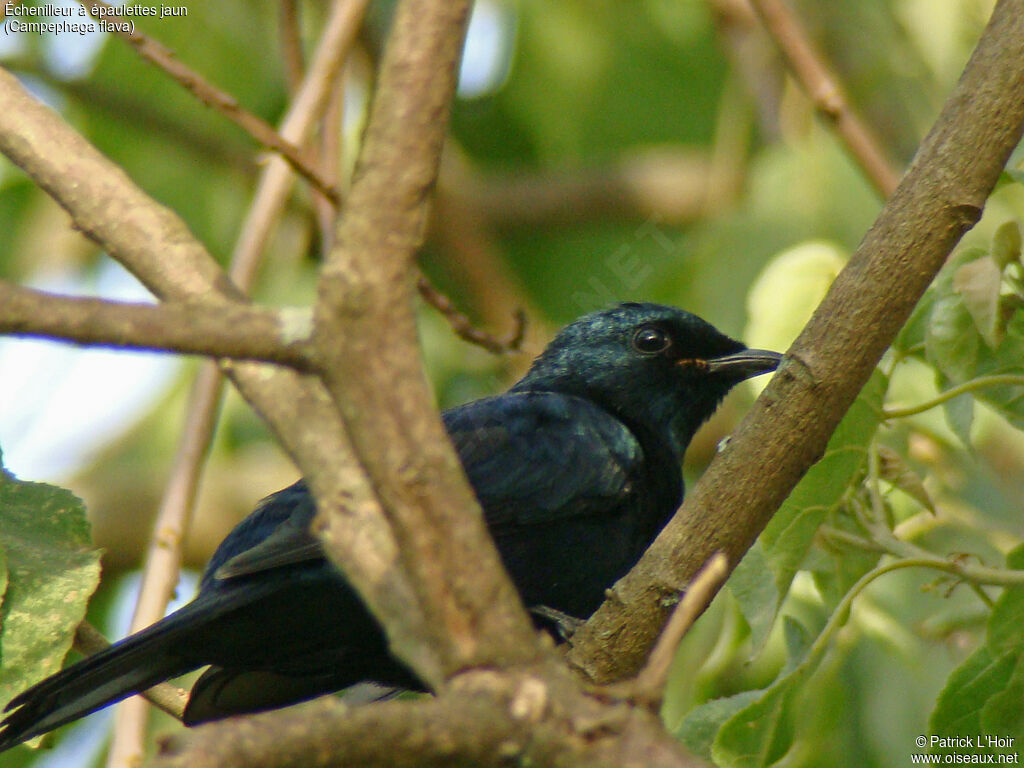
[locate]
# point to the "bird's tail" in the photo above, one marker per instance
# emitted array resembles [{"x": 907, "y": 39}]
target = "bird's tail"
[{"x": 127, "y": 667}]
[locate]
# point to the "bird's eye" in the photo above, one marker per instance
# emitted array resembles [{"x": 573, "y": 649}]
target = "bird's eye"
[{"x": 651, "y": 341}]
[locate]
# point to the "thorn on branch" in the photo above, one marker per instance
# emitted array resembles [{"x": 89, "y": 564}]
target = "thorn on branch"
[{"x": 465, "y": 330}]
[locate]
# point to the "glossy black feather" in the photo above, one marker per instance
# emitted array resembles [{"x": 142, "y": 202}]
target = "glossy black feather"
[{"x": 577, "y": 468}]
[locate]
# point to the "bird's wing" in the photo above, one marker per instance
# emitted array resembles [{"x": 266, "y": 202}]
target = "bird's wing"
[
  {"x": 530, "y": 457},
  {"x": 277, "y": 533},
  {"x": 533, "y": 457}
]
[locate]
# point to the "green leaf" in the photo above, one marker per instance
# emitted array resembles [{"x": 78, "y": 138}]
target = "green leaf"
[
  {"x": 1002, "y": 715},
  {"x": 962, "y": 351},
  {"x": 760, "y": 733},
  {"x": 52, "y": 571},
  {"x": 787, "y": 538},
  {"x": 1008, "y": 399},
  {"x": 754, "y": 587},
  {"x": 978, "y": 283},
  {"x": 1006, "y": 244},
  {"x": 1006, "y": 623},
  {"x": 980, "y": 677},
  {"x": 700, "y": 727},
  {"x": 952, "y": 340},
  {"x": 983, "y": 694},
  {"x": 1012, "y": 176},
  {"x": 959, "y": 413},
  {"x": 912, "y": 335}
]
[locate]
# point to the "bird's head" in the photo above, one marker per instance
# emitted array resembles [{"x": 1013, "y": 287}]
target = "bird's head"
[{"x": 657, "y": 368}]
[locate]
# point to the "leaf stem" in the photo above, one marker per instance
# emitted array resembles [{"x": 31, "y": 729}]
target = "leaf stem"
[{"x": 995, "y": 380}]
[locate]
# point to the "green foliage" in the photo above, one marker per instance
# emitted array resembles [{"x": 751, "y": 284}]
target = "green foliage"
[
  {"x": 50, "y": 571},
  {"x": 982, "y": 697},
  {"x": 853, "y": 520},
  {"x": 785, "y": 542}
]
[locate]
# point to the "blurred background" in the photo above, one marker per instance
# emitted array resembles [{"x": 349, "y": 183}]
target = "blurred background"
[{"x": 599, "y": 151}]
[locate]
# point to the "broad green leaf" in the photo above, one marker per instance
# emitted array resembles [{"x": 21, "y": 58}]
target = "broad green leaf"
[
  {"x": 984, "y": 694},
  {"x": 835, "y": 573},
  {"x": 952, "y": 341},
  {"x": 980, "y": 677},
  {"x": 761, "y": 732},
  {"x": 52, "y": 570},
  {"x": 754, "y": 586},
  {"x": 1006, "y": 622},
  {"x": 959, "y": 413},
  {"x": 700, "y": 727},
  {"x": 978, "y": 283},
  {"x": 1008, "y": 399},
  {"x": 797, "y": 641},
  {"x": 912, "y": 336},
  {"x": 1002, "y": 715},
  {"x": 787, "y": 538},
  {"x": 960, "y": 352},
  {"x": 1012, "y": 176}
]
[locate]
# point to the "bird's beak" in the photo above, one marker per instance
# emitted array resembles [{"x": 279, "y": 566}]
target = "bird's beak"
[{"x": 743, "y": 365}]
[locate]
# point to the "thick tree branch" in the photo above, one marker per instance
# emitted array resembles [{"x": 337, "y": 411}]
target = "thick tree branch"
[
  {"x": 486, "y": 720},
  {"x": 462, "y": 610},
  {"x": 238, "y": 331},
  {"x": 155, "y": 245},
  {"x": 786, "y": 431}
]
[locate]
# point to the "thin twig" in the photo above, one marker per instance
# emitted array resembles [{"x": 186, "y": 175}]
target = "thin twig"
[
  {"x": 824, "y": 90},
  {"x": 995, "y": 380},
  {"x": 163, "y": 560},
  {"x": 291, "y": 43},
  {"x": 648, "y": 687},
  {"x": 329, "y": 151},
  {"x": 465, "y": 330},
  {"x": 163, "y": 58},
  {"x": 307, "y": 107},
  {"x": 170, "y": 698}
]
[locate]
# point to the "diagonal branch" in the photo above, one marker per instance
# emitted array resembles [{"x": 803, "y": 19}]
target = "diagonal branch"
[
  {"x": 786, "y": 431},
  {"x": 224, "y": 103},
  {"x": 825, "y": 92}
]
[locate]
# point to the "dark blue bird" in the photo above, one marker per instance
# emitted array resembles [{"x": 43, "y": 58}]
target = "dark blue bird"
[{"x": 577, "y": 468}]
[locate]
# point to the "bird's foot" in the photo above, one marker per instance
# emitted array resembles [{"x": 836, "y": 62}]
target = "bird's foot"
[{"x": 563, "y": 623}]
